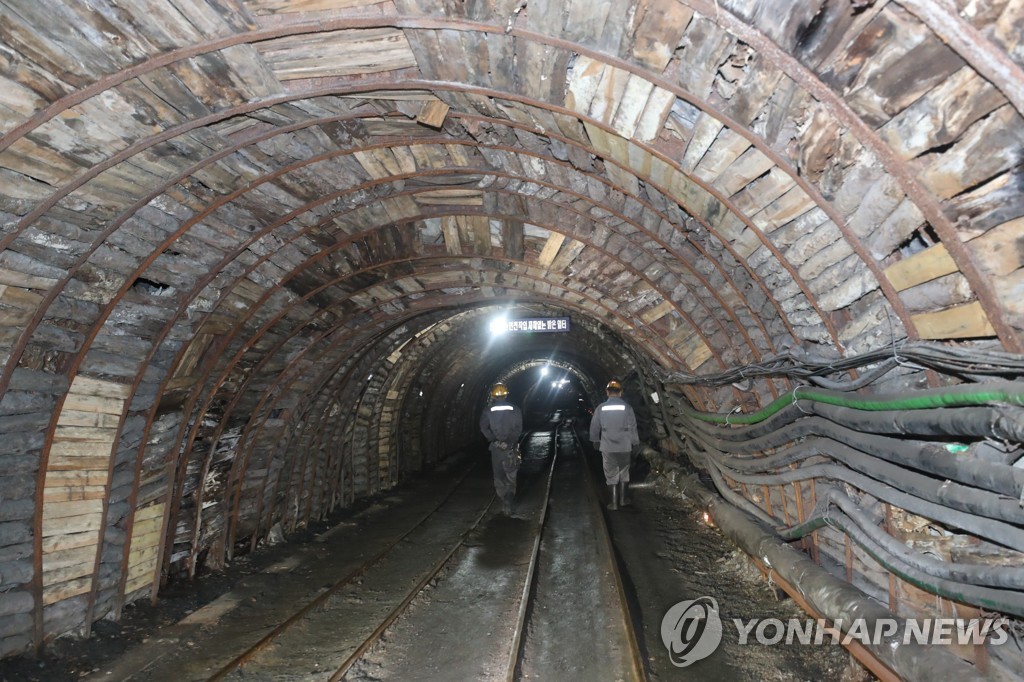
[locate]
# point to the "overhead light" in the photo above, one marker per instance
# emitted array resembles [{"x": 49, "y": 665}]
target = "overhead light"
[
  {"x": 544, "y": 371},
  {"x": 499, "y": 325}
]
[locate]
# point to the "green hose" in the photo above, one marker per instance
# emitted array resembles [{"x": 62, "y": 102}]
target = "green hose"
[{"x": 936, "y": 398}]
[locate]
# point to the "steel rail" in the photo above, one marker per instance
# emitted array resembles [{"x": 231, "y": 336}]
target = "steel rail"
[
  {"x": 531, "y": 573},
  {"x": 415, "y": 592},
  {"x": 267, "y": 639},
  {"x": 639, "y": 669}
]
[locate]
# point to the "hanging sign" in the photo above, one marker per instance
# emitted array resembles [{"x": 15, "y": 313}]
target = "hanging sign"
[{"x": 538, "y": 324}]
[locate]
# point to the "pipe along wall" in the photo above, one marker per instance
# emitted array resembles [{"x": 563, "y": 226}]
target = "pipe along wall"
[{"x": 916, "y": 497}]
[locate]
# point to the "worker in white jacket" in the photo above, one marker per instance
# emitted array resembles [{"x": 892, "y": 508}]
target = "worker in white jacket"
[{"x": 613, "y": 432}]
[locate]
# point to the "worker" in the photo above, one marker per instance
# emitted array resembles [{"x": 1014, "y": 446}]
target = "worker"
[
  {"x": 502, "y": 424},
  {"x": 613, "y": 432}
]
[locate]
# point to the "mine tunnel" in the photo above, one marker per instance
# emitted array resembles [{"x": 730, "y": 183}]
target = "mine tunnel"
[{"x": 262, "y": 263}]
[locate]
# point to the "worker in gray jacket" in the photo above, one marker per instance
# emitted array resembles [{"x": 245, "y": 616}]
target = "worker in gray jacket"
[
  {"x": 502, "y": 424},
  {"x": 613, "y": 432}
]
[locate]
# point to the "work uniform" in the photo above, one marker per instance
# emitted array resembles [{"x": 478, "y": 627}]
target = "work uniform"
[
  {"x": 502, "y": 424},
  {"x": 613, "y": 432}
]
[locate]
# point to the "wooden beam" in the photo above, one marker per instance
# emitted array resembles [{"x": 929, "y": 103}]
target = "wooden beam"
[
  {"x": 924, "y": 266},
  {"x": 961, "y": 322},
  {"x": 433, "y": 113}
]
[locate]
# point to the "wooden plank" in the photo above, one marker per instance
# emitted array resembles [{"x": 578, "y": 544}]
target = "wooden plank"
[
  {"x": 154, "y": 511},
  {"x": 72, "y": 524},
  {"x": 143, "y": 580},
  {"x": 213, "y": 325},
  {"x": 433, "y": 113},
  {"x": 587, "y": 75},
  {"x": 655, "y": 113},
  {"x": 338, "y": 53},
  {"x": 401, "y": 208},
  {"x": 56, "y": 593},
  {"x": 550, "y": 250},
  {"x": 429, "y": 156},
  {"x": 287, "y": 6},
  {"x": 750, "y": 165},
  {"x": 699, "y": 355},
  {"x": 68, "y": 463},
  {"x": 405, "y": 160},
  {"x": 72, "y": 493},
  {"x": 69, "y": 449},
  {"x": 987, "y": 149},
  {"x": 371, "y": 165},
  {"x": 704, "y": 134},
  {"x": 894, "y": 62},
  {"x": 726, "y": 148},
  {"x": 459, "y": 154},
  {"x": 1000, "y": 251},
  {"x": 924, "y": 266},
  {"x": 94, "y": 419},
  {"x": 630, "y": 105},
  {"x": 59, "y": 479},
  {"x": 479, "y": 226},
  {"x": 88, "y": 434},
  {"x": 658, "y": 27},
  {"x": 74, "y": 556},
  {"x": 567, "y": 255},
  {"x": 451, "y": 235},
  {"x": 148, "y": 539},
  {"x": 781, "y": 211},
  {"x": 59, "y": 542},
  {"x": 965, "y": 321},
  {"x": 58, "y": 510},
  {"x": 16, "y": 279},
  {"x": 942, "y": 115},
  {"x": 22, "y": 299},
  {"x": 190, "y": 359},
  {"x": 146, "y": 525},
  {"x": 89, "y": 403},
  {"x": 179, "y": 383},
  {"x": 84, "y": 385},
  {"x": 657, "y": 312},
  {"x": 455, "y": 196},
  {"x": 144, "y": 556}
]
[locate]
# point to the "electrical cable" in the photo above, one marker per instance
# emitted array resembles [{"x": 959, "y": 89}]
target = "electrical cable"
[
  {"x": 979, "y": 574},
  {"x": 967, "y": 363},
  {"x": 998, "y": 532}
]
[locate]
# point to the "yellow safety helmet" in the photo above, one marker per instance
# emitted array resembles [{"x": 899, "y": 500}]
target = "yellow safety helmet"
[
  {"x": 499, "y": 391},
  {"x": 613, "y": 385}
]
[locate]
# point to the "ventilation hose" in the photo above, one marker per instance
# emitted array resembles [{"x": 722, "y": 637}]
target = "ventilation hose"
[
  {"x": 1010, "y": 577},
  {"x": 956, "y": 396}
]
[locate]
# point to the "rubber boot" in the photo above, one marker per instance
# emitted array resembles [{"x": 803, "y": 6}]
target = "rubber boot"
[
  {"x": 614, "y": 490},
  {"x": 623, "y": 486},
  {"x": 506, "y": 505}
]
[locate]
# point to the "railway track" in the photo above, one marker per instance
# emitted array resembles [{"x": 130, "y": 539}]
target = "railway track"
[{"x": 489, "y": 579}]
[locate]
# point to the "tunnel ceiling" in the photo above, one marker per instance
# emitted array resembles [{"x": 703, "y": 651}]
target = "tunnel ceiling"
[{"x": 224, "y": 220}]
